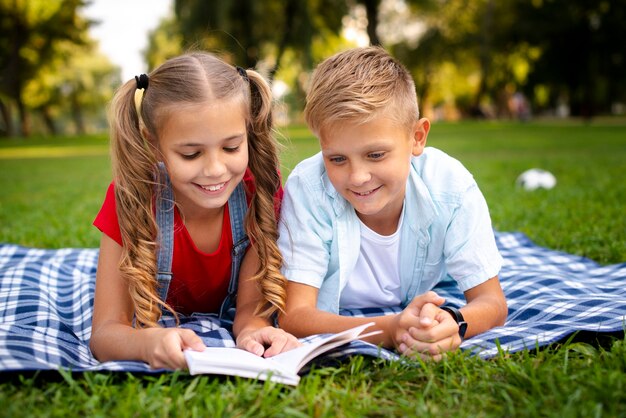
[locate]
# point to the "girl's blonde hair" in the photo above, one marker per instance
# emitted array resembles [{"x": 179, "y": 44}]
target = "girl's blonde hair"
[
  {"x": 359, "y": 85},
  {"x": 191, "y": 78}
]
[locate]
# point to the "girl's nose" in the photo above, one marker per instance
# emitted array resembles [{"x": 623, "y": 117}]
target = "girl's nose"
[{"x": 213, "y": 166}]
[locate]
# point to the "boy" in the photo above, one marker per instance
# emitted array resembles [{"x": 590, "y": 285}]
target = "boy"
[{"x": 377, "y": 220}]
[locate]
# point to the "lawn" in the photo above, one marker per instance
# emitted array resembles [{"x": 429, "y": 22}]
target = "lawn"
[{"x": 53, "y": 187}]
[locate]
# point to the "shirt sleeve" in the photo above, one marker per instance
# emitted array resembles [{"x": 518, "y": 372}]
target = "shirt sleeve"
[
  {"x": 472, "y": 256},
  {"x": 106, "y": 220},
  {"x": 305, "y": 234}
]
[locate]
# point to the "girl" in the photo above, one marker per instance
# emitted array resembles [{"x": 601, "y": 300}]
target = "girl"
[{"x": 188, "y": 159}]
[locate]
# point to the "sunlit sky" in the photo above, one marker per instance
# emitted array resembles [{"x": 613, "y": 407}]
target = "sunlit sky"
[{"x": 124, "y": 27}]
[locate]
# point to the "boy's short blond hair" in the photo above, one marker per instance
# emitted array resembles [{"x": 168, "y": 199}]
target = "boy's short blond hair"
[{"x": 358, "y": 85}]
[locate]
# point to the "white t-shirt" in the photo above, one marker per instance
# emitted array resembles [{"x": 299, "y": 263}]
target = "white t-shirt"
[{"x": 375, "y": 280}]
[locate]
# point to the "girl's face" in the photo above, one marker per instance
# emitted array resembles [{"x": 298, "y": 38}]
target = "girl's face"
[{"x": 205, "y": 149}]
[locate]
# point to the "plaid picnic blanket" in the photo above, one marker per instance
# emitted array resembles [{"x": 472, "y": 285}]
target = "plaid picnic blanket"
[{"x": 46, "y": 299}]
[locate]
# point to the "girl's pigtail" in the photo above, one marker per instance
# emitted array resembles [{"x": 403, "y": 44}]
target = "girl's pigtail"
[
  {"x": 134, "y": 162},
  {"x": 261, "y": 219}
]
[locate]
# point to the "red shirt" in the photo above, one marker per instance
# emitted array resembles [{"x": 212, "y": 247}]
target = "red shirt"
[{"x": 200, "y": 280}]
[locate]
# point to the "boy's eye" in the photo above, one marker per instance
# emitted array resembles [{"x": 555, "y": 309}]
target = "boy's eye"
[
  {"x": 336, "y": 160},
  {"x": 376, "y": 155},
  {"x": 190, "y": 156}
]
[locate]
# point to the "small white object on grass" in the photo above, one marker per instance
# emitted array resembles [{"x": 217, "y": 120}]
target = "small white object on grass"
[{"x": 536, "y": 178}]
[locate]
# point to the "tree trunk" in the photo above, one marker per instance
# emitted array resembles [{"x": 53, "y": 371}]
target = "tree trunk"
[
  {"x": 24, "y": 118},
  {"x": 290, "y": 13},
  {"x": 371, "y": 8},
  {"x": 48, "y": 120},
  {"x": 77, "y": 114},
  {"x": 6, "y": 129},
  {"x": 485, "y": 58}
]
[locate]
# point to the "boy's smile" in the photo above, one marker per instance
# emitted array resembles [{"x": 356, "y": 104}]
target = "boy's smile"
[{"x": 368, "y": 164}]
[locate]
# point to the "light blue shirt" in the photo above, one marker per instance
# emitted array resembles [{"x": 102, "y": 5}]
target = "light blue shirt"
[{"x": 446, "y": 230}]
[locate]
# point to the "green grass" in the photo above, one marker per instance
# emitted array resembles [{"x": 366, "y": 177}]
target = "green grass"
[{"x": 53, "y": 188}]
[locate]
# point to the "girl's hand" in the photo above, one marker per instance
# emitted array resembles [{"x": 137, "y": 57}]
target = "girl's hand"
[
  {"x": 164, "y": 347},
  {"x": 266, "y": 341}
]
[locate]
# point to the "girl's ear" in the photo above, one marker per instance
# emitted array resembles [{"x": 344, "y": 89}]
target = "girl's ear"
[{"x": 420, "y": 134}]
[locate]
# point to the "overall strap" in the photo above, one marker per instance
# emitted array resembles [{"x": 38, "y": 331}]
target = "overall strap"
[
  {"x": 237, "y": 207},
  {"x": 165, "y": 223}
]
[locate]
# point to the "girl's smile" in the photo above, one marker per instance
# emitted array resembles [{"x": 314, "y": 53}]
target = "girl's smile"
[
  {"x": 205, "y": 148},
  {"x": 213, "y": 189}
]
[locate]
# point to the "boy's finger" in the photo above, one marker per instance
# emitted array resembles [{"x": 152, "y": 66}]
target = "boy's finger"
[
  {"x": 427, "y": 315},
  {"x": 428, "y": 297}
]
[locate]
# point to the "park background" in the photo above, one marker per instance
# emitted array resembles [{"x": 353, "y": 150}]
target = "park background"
[{"x": 470, "y": 59}]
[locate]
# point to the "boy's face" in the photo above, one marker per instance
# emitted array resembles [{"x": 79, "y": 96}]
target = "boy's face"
[{"x": 369, "y": 164}]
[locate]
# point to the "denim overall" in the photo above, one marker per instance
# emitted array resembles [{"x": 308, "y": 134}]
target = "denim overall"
[{"x": 237, "y": 207}]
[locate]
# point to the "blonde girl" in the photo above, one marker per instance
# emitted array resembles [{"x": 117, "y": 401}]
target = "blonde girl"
[{"x": 189, "y": 222}]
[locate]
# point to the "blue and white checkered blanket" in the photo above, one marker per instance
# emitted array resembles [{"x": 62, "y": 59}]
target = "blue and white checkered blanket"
[{"x": 46, "y": 299}]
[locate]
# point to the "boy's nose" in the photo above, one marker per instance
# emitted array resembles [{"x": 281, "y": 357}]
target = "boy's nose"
[{"x": 359, "y": 175}]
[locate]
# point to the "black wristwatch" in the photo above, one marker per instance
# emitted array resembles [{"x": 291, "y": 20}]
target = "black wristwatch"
[{"x": 458, "y": 317}]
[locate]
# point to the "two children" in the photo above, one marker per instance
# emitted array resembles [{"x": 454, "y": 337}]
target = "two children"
[{"x": 377, "y": 219}]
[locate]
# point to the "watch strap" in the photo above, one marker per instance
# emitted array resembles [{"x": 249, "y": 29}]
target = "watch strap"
[{"x": 458, "y": 317}]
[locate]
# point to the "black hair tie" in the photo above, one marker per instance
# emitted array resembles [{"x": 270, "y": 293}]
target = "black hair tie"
[
  {"x": 243, "y": 73},
  {"x": 142, "y": 81}
]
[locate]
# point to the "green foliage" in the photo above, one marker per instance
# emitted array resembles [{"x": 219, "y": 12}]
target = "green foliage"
[
  {"x": 164, "y": 42},
  {"x": 50, "y": 201},
  {"x": 257, "y": 34},
  {"x": 573, "y": 380},
  {"x": 31, "y": 29},
  {"x": 76, "y": 83}
]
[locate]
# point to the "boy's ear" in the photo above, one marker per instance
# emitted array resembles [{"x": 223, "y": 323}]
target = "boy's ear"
[{"x": 420, "y": 134}]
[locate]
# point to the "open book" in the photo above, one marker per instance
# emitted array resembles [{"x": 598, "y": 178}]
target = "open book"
[{"x": 282, "y": 368}]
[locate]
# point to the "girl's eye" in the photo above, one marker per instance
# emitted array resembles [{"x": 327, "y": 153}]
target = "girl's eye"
[
  {"x": 231, "y": 149},
  {"x": 190, "y": 156},
  {"x": 376, "y": 155}
]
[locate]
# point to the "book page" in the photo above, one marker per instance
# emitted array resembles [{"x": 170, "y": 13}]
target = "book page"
[
  {"x": 282, "y": 368},
  {"x": 298, "y": 357},
  {"x": 238, "y": 362}
]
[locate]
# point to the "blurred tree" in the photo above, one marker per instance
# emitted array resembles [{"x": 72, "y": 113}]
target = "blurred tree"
[
  {"x": 372, "y": 8},
  {"x": 571, "y": 51},
  {"x": 164, "y": 42},
  {"x": 30, "y": 29},
  {"x": 250, "y": 31},
  {"x": 470, "y": 40},
  {"x": 76, "y": 82},
  {"x": 583, "y": 50}
]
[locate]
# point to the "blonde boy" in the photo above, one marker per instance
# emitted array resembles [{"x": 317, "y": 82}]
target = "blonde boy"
[{"x": 377, "y": 219}]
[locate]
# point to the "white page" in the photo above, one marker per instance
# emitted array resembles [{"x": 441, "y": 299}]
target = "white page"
[
  {"x": 234, "y": 361},
  {"x": 298, "y": 357},
  {"x": 282, "y": 368}
]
